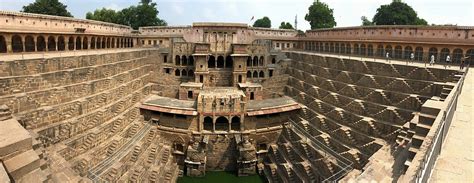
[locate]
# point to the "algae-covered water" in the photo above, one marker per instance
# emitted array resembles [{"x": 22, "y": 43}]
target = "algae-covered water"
[{"x": 222, "y": 177}]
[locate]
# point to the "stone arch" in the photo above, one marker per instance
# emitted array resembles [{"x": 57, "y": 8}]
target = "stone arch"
[
  {"x": 443, "y": 54},
  {"x": 108, "y": 42},
  {"x": 331, "y": 47},
  {"x": 239, "y": 79},
  {"x": 184, "y": 60},
  {"x": 235, "y": 123},
  {"x": 29, "y": 44},
  {"x": 103, "y": 44},
  {"x": 191, "y": 60},
  {"x": 343, "y": 48},
  {"x": 40, "y": 43},
  {"x": 208, "y": 124},
  {"x": 398, "y": 52},
  {"x": 261, "y": 74},
  {"x": 326, "y": 47},
  {"x": 363, "y": 49},
  {"x": 470, "y": 54},
  {"x": 457, "y": 55},
  {"x": 249, "y": 74},
  {"x": 113, "y": 43},
  {"x": 61, "y": 43},
  {"x": 190, "y": 73},
  {"x": 380, "y": 51},
  {"x": 222, "y": 124},
  {"x": 356, "y": 49},
  {"x": 255, "y": 74},
  {"x": 249, "y": 61},
  {"x": 71, "y": 43},
  {"x": 389, "y": 50},
  {"x": 261, "y": 61},
  {"x": 211, "y": 62},
  {"x": 78, "y": 43},
  {"x": 3, "y": 44},
  {"x": 177, "y": 72},
  {"x": 407, "y": 52},
  {"x": 348, "y": 49},
  {"x": 419, "y": 53},
  {"x": 98, "y": 43},
  {"x": 220, "y": 61},
  {"x": 255, "y": 61},
  {"x": 370, "y": 50},
  {"x": 433, "y": 51},
  {"x": 85, "y": 43},
  {"x": 17, "y": 44},
  {"x": 93, "y": 41},
  {"x": 184, "y": 73},
  {"x": 51, "y": 44},
  {"x": 177, "y": 60},
  {"x": 178, "y": 143},
  {"x": 229, "y": 62},
  {"x": 337, "y": 48}
]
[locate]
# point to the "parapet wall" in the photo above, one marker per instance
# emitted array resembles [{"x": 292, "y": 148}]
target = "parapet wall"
[
  {"x": 36, "y": 23},
  {"x": 446, "y": 34}
]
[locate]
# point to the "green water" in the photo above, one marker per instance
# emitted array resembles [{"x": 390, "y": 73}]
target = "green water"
[{"x": 222, "y": 177}]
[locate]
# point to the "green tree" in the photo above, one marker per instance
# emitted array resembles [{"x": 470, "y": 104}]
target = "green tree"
[
  {"x": 397, "y": 13},
  {"x": 104, "y": 14},
  {"x": 366, "y": 21},
  {"x": 320, "y": 16},
  {"x": 144, "y": 14},
  {"x": 263, "y": 22},
  {"x": 286, "y": 25},
  {"x": 47, "y": 7}
]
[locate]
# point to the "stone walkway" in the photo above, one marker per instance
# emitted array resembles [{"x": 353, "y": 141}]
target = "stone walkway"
[
  {"x": 456, "y": 161},
  {"x": 365, "y": 58},
  {"x": 53, "y": 54}
]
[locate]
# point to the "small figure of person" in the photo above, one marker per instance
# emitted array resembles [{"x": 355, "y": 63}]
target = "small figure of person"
[
  {"x": 387, "y": 55},
  {"x": 432, "y": 60},
  {"x": 463, "y": 62},
  {"x": 412, "y": 57},
  {"x": 448, "y": 61}
]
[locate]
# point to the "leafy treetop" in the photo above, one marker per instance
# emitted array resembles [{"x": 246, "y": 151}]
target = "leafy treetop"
[
  {"x": 47, "y": 7},
  {"x": 320, "y": 16},
  {"x": 263, "y": 22},
  {"x": 144, "y": 14},
  {"x": 286, "y": 25},
  {"x": 397, "y": 13}
]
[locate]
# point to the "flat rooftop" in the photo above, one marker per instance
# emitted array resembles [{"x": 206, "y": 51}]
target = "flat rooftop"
[
  {"x": 221, "y": 92},
  {"x": 170, "y": 102},
  {"x": 270, "y": 106}
]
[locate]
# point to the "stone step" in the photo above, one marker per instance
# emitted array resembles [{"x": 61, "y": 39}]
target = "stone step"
[
  {"x": 22, "y": 164},
  {"x": 35, "y": 176}
]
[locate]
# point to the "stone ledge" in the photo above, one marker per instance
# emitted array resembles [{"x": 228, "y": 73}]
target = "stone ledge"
[
  {"x": 13, "y": 138},
  {"x": 22, "y": 164}
]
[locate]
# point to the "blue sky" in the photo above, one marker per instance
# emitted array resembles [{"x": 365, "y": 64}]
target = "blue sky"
[{"x": 346, "y": 12}]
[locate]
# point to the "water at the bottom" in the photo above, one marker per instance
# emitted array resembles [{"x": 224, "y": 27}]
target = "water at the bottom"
[{"x": 222, "y": 177}]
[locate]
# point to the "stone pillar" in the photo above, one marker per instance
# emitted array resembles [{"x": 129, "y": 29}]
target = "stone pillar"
[
  {"x": 66, "y": 43},
  {"x": 74, "y": 43},
  {"x": 213, "y": 123},
  {"x": 89, "y": 42},
  {"x": 23, "y": 42},
  {"x": 229, "y": 118},
  {"x": 35, "y": 38},
  {"x": 8, "y": 42},
  {"x": 56, "y": 38}
]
